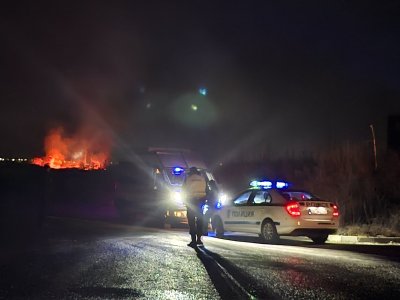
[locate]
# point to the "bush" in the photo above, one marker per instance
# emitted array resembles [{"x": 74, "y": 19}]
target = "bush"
[{"x": 380, "y": 226}]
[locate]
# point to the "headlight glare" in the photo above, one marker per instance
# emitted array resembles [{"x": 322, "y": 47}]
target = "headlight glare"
[
  {"x": 222, "y": 198},
  {"x": 177, "y": 197}
]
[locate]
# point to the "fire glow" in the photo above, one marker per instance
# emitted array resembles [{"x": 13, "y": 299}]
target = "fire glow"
[{"x": 82, "y": 151}]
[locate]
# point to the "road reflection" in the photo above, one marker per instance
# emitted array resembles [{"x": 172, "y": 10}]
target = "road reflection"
[{"x": 388, "y": 251}]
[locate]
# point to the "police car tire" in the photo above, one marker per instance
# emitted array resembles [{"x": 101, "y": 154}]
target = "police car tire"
[
  {"x": 219, "y": 228},
  {"x": 268, "y": 232},
  {"x": 320, "y": 239}
]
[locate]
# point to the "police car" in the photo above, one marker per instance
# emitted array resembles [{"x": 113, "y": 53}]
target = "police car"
[{"x": 271, "y": 209}]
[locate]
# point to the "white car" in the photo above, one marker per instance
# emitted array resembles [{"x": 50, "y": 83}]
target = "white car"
[{"x": 271, "y": 210}]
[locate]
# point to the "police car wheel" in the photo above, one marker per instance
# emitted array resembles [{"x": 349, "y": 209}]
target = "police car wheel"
[
  {"x": 320, "y": 239},
  {"x": 268, "y": 232},
  {"x": 219, "y": 228}
]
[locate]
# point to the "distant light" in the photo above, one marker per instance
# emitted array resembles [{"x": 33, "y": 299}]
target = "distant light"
[
  {"x": 148, "y": 105},
  {"x": 194, "y": 107},
  {"x": 203, "y": 91}
]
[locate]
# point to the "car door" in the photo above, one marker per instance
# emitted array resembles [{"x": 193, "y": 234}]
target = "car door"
[
  {"x": 258, "y": 208},
  {"x": 234, "y": 219}
]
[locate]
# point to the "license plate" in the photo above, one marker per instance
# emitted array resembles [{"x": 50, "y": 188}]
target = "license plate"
[
  {"x": 180, "y": 214},
  {"x": 317, "y": 210}
]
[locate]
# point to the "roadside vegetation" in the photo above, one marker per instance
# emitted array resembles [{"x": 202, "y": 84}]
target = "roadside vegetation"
[{"x": 368, "y": 194}]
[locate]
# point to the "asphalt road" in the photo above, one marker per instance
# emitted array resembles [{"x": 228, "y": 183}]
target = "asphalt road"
[{"x": 74, "y": 259}]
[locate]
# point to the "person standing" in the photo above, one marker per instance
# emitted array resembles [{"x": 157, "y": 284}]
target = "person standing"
[
  {"x": 212, "y": 199},
  {"x": 194, "y": 189}
]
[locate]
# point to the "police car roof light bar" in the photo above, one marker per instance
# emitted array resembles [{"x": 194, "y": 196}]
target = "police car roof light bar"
[
  {"x": 263, "y": 184},
  {"x": 266, "y": 184}
]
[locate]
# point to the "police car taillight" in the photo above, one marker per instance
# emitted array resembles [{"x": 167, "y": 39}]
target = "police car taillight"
[
  {"x": 293, "y": 209},
  {"x": 335, "y": 210}
]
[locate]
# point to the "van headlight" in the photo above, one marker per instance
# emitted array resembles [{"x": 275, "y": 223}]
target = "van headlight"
[
  {"x": 177, "y": 197},
  {"x": 222, "y": 198}
]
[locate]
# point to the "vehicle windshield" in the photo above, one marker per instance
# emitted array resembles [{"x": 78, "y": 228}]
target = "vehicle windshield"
[
  {"x": 174, "y": 179},
  {"x": 299, "y": 195}
]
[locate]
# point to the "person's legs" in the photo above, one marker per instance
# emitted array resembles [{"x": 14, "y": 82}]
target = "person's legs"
[
  {"x": 191, "y": 216},
  {"x": 199, "y": 224},
  {"x": 207, "y": 220}
]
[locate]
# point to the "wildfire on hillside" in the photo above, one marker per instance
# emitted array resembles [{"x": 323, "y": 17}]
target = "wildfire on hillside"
[{"x": 81, "y": 151}]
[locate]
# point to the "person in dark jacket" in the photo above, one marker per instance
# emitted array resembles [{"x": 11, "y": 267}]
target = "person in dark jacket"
[
  {"x": 194, "y": 189},
  {"x": 212, "y": 199}
]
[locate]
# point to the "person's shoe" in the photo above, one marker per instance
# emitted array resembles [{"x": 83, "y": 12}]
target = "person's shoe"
[
  {"x": 192, "y": 244},
  {"x": 199, "y": 242}
]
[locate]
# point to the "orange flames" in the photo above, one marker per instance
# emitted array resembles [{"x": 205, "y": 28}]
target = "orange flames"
[{"x": 82, "y": 151}]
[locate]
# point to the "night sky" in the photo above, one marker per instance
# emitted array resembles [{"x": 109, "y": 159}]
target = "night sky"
[{"x": 284, "y": 77}]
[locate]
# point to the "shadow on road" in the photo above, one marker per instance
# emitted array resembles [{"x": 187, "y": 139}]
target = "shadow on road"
[{"x": 230, "y": 281}]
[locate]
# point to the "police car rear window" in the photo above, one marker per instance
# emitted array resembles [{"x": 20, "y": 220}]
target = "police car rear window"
[{"x": 298, "y": 196}]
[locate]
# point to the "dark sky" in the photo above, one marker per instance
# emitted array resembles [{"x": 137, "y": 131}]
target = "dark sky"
[{"x": 286, "y": 76}]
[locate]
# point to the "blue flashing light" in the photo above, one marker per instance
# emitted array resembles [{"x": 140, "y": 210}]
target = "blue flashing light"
[
  {"x": 218, "y": 205},
  {"x": 177, "y": 171},
  {"x": 204, "y": 209},
  {"x": 281, "y": 184},
  {"x": 266, "y": 184}
]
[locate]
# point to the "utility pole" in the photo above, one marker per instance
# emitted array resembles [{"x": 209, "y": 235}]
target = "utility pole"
[{"x": 374, "y": 146}]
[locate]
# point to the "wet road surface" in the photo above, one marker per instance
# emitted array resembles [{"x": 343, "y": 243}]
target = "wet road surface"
[{"x": 92, "y": 260}]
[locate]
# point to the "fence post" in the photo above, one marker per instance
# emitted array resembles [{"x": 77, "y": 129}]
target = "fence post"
[{"x": 374, "y": 146}]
